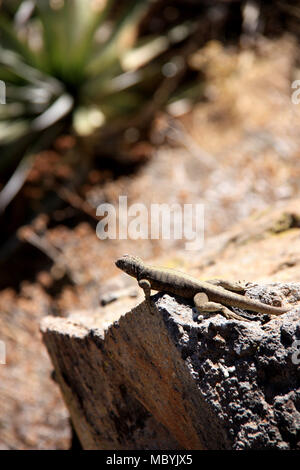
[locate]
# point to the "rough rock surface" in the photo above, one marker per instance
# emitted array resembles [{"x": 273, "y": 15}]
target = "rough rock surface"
[{"x": 165, "y": 379}]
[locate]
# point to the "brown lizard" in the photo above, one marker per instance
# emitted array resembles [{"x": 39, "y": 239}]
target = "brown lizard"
[{"x": 209, "y": 296}]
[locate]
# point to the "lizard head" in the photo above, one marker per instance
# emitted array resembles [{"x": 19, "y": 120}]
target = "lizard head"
[{"x": 130, "y": 264}]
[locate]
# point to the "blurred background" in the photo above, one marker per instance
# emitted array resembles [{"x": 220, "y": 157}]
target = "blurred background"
[{"x": 183, "y": 101}]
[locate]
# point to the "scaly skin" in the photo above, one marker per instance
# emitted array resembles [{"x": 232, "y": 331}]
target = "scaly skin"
[{"x": 207, "y": 295}]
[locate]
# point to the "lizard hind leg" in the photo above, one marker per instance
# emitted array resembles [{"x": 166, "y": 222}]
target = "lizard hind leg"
[
  {"x": 234, "y": 286},
  {"x": 203, "y": 304}
]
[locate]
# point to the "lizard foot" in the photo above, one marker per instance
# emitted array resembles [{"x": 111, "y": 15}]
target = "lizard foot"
[{"x": 231, "y": 315}]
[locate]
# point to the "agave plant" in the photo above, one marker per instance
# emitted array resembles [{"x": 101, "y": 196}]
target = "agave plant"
[{"x": 71, "y": 63}]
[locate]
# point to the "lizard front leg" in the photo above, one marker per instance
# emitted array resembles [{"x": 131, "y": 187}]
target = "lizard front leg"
[
  {"x": 203, "y": 304},
  {"x": 234, "y": 286},
  {"x": 146, "y": 286}
]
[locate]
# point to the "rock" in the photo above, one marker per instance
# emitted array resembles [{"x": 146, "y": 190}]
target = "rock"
[{"x": 158, "y": 378}]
